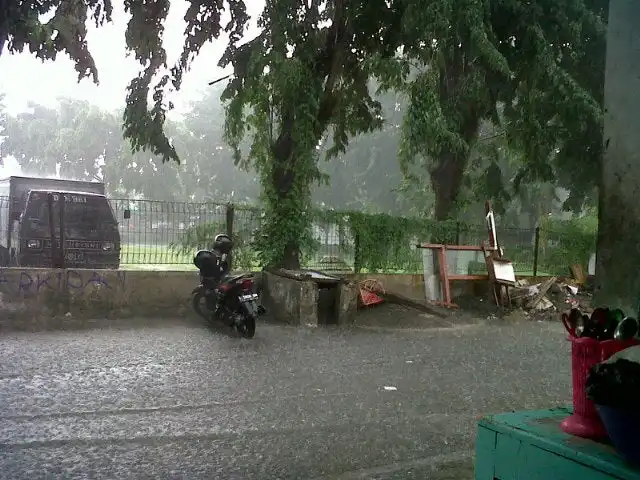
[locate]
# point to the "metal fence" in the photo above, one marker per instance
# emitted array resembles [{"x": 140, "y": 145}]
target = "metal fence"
[
  {"x": 165, "y": 235},
  {"x": 168, "y": 233}
]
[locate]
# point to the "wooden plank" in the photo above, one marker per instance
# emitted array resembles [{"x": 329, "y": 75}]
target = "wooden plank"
[
  {"x": 507, "y": 457},
  {"x": 544, "y": 288},
  {"x": 485, "y": 454},
  {"x": 409, "y": 302},
  {"x": 541, "y": 428},
  {"x": 578, "y": 274},
  {"x": 461, "y": 277},
  {"x": 540, "y": 464},
  {"x": 463, "y": 248}
]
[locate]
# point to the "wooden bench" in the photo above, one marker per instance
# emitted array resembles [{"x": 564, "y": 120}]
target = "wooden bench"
[{"x": 529, "y": 445}]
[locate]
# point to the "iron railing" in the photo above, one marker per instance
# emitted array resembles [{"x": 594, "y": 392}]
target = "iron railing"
[{"x": 165, "y": 235}]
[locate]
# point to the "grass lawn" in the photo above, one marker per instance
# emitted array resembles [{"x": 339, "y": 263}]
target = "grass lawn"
[
  {"x": 162, "y": 258},
  {"x": 153, "y": 257}
]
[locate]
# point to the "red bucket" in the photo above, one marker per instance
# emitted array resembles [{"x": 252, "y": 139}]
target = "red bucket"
[{"x": 585, "y": 353}]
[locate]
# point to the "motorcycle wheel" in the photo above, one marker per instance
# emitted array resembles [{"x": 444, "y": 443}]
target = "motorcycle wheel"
[
  {"x": 247, "y": 329},
  {"x": 198, "y": 302}
]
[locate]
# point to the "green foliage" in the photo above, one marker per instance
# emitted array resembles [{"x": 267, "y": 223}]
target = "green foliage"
[
  {"x": 66, "y": 31},
  {"x": 3, "y": 123},
  {"x": 383, "y": 242},
  {"x": 367, "y": 177},
  {"x": 200, "y": 237},
  {"x": 144, "y": 123},
  {"x": 533, "y": 69},
  {"x": 567, "y": 242},
  {"x": 86, "y": 143},
  {"x": 553, "y": 110},
  {"x": 81, "y": 137},
  {"x": 296, "y": 81},
  {"x": 207, "y": 161},
  {"x": 286, "y": 188}
]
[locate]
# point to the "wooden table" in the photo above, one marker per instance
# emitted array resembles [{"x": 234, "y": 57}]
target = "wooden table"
[{"x": 529, "y": 445}]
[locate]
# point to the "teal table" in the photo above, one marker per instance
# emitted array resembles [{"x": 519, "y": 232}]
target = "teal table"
[{"x": 530, "y": 446}]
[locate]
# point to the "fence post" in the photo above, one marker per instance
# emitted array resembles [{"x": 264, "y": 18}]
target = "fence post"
[
  {"x": 536, "y": 247},
  {"x": 230, "y": 213},
  {"x": 356, "y": 254}
]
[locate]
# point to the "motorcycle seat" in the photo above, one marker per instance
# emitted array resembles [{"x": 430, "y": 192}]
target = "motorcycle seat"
[{"x": 233, "y": 278}]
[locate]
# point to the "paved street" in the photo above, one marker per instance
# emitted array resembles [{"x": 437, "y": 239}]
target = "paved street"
[{"x": 187, "y": 403}]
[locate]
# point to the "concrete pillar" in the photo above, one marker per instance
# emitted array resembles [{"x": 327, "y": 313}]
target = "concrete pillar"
[{"x": 618, "y": 252}]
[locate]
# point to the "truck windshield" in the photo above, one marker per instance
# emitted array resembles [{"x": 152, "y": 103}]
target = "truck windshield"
[{"x": 84, "y": 215}]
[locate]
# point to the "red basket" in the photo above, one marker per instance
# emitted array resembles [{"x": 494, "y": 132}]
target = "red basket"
[{"x": 585, "y": 353}]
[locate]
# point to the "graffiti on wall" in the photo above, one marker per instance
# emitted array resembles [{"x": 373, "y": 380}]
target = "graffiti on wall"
[{"x": 33, "y": 281}]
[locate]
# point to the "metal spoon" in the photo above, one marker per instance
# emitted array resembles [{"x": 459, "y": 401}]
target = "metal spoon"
[
  {"x": 581, "y": 326},
  {"x": 570, "y": 320}
]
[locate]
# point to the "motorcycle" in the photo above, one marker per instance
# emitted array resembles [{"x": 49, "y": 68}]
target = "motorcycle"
[{"x": 231, "y": 300}]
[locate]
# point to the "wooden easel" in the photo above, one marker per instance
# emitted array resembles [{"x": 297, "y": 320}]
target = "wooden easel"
[
  {"x": 499, "y": 287},
  {"x": 493, "y": 255}
]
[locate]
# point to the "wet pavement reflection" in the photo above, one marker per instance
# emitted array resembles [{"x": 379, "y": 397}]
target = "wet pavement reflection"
[{"x": 188, "y": 403}]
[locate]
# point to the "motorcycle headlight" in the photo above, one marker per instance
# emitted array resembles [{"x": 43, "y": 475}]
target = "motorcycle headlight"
[
  {"x": 33, "y": 244},
  {"x": 108, "y": 246}
]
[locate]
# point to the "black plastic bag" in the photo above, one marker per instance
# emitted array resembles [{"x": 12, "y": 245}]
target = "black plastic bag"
[{"x": 616, "y": 385}]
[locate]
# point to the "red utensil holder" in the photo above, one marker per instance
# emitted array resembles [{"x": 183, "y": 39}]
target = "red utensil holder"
[{"x": 585, "y": 353}]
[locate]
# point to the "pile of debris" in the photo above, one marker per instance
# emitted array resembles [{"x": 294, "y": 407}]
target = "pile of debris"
[{"x": 550, "y": 295}]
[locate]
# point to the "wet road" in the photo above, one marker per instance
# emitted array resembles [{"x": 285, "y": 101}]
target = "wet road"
[{"x": 186, "y": 403}]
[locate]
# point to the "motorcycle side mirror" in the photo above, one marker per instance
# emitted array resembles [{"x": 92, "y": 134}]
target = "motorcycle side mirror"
[{"x": 127, "y": 214}]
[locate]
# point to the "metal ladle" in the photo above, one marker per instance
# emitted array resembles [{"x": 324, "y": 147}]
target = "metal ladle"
[{"x": 626, "y": 329}]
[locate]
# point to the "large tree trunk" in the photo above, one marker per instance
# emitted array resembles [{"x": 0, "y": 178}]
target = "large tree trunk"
[
  {"x": 283, "y": 180},
  {"x": 446, "y": 177},
  {"x": 446, "y": 180},
  {"x": 618, "y": 248}
]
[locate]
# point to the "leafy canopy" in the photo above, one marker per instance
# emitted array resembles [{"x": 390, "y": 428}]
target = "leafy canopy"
[
  {"x": 304, "y": 77},
  {"x": 534, "y": 69},
  {"x": 306, "y": 73},
  {"x": 21, "y": 26}
]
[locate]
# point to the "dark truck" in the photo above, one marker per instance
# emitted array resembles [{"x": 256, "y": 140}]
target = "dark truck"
[{"x": 91, "y": 236}]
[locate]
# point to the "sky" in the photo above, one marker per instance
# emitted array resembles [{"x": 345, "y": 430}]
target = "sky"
[{"x": 24, "y": 78}]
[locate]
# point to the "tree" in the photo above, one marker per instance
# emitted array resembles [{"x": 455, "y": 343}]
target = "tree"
[
  {"x": 143, "y": 173},
  {"x": 316, "y": 79},
  {"x": 366, "y": 177},
  {"x": 21, "y": 27},
  {"x": 78, "y": 140},
  {"x": 306, "y": 74},
  {"x": 519, "y": 65},
  {"x": 3, "y": 126},
  {"x": 492, "y": 167},
  {"x": 556, "y": 117},
  {"x": 28, "y": 139},
  {"x": 617, "y": 281},
  {"x": 208, "y": 160},
  {"x": 86, "y": 143}
]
